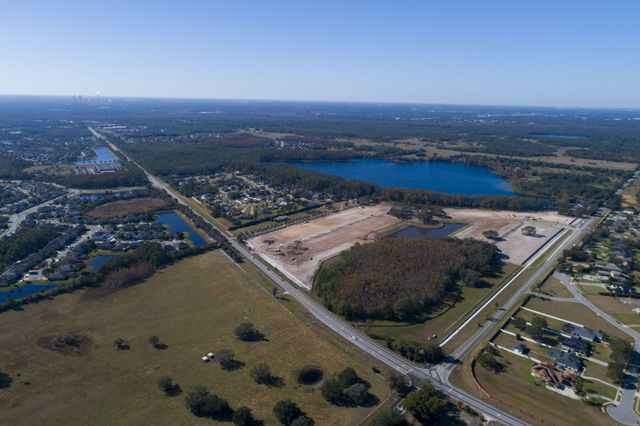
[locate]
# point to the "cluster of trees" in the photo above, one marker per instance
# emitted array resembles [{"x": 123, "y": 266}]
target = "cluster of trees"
[
  {"x": 427, "y": 404},
  {"x": 201, "y": 403},
  {"x": 12, "y": 168},
  {"x": 121, "y": 178},
  {"x": 536, "y": 329},
  {"x": 621, "y": 353},
  {"x": 289, "y": 414},
  {"x": 487, "y": 360},
  {"x": 430, "y": 353},
  {"x": 347, "y": 389},
  {"x": 123, "y": 277},
  {"x": 400, "y": 279},
  {"x": 25, "y": 241}
]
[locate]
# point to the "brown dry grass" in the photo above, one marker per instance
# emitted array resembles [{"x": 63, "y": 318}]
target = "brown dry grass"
[
  {"x": 127, "y": 207},
  {"x": 193, "y": 307}
]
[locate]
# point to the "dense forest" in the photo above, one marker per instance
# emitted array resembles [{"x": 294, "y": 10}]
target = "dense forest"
[
  {"x": 118, "y": 179},
  {"x": 25, "y": 241},
  {"x": 401, "y": 278},
  {"x": 256, "y": 155},
  {"x": 12, "y": 168}
]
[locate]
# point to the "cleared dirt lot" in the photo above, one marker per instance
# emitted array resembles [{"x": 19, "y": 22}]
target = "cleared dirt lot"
[
  {"x": 509, "y": 226},
  {"x": 298, "y": 250}
]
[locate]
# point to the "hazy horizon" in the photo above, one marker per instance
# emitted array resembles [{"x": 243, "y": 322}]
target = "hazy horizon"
[{"x": 498, "y": 53}]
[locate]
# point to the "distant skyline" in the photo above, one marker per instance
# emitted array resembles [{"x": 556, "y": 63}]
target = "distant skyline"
[{"x": 537, "y": 53}]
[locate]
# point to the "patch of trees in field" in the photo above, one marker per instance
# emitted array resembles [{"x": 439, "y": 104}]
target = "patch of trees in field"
[
  {"x": 401, "y": 279},
  {"x": 25, "y": 241}
]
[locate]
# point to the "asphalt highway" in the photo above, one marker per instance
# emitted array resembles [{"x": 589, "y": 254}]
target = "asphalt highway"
[{"x": 439, "y": 375}]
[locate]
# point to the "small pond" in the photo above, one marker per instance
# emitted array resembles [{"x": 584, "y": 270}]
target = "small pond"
[
  {"x": 177, "y": 224},
  {"x": 24, "y": 291},
  {"x": 429, "y": 233},
  {"x": 103, "y": 155},
  {"x": 101, "y": 259}
]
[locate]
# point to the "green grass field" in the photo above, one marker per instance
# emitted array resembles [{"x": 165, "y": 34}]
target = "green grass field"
[
  {"x": 575, "y": 312},
  {"x": 555, "y": 288},
  {"x": 517, "y": 386},
  {"x": 193, "y": 307}
]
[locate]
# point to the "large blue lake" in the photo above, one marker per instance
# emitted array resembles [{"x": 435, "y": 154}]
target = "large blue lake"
[
  {"x": 103, "y": 155},
  {"x": 177, "y": 224},
  {"x": 439, "y": 176}
]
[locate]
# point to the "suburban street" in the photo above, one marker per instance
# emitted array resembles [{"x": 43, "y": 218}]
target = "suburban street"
[
  {"x": 16, "y": 219},
  {"x": 624, "y": 412},
  {"x": 438, "y": 376}
]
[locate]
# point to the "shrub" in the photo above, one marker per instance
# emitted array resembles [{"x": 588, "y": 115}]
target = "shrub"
[
  {"x": 243, "y": 417},
  {"x": 203, "y": 404},
  {"x": 286, "y": 411},
  {"x": 248, "y": 333},
  {"x": 261, "y": 373},
  {"x": 166, "y": 385},
  {"x": 5, "y": 380}
]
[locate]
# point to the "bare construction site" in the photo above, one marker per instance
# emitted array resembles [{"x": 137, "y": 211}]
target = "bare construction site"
[
  {"x": 297, "y": 251},
  {"x": 512, "y": 238}
]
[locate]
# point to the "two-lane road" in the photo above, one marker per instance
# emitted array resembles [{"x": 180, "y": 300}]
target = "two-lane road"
[{"x": 437, "y": 376}]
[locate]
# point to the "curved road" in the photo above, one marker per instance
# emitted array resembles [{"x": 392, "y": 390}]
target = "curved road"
[{"x": 624, "y": 411}]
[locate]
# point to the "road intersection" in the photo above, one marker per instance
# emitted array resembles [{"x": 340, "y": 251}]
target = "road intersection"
[{"x": 438, "y": 375}]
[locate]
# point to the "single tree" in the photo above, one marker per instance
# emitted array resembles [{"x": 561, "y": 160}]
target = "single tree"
[
  {"x": 398, "y": 383},
  {"x": 243, "y": 417},
  {"x": 537, "y": 328},
  {"x": 166, "y": 385},
  {"x": 489, "y": 362},
  {"x": 248, "y": 333},
  {"x": 261, "y": 373},
  {"x": 156, "y": 343},
  {"x": 303, "y": 421},
  {"x": 491, "y": 234},
  {"x": 225, "y": 358},
  {"x": 121, "y": 345},
  {"x": 286, "y": 411},
  {"x": 615, "y": 371},
  {"x": 358, "y": 393},
  {"x": 5, "y": 380},
  {"x": 519, "y": 323}
]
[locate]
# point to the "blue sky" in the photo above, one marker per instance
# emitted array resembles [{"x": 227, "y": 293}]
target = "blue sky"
[{"x": 556, "y": 53}]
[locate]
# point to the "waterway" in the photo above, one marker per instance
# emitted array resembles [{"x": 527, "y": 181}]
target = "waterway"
[
  {"x": 24, "y": 291},
  {"x": 438, "y": 176},
  {"x": 429, "y": 233},
  {"x": 177, "y": 224},
  {"x": 99, "y": 260},
  {"x": 103, "y": 155}
]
